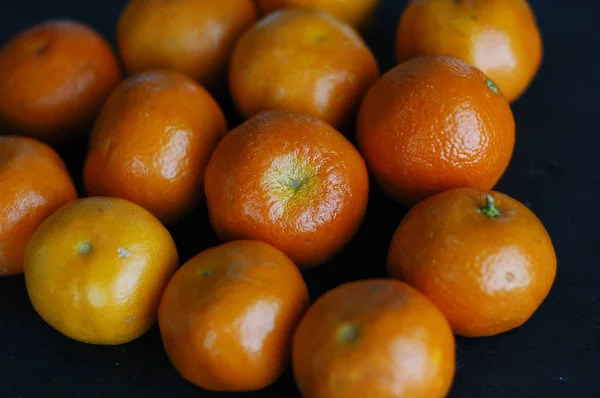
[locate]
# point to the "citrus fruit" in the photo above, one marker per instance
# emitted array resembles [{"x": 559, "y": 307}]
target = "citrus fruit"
[
  {"x": 376, "y": 339},
  {"x": 34, "y": 183},
  {"x": 54, "y": 79},
  {"x": 357, "y": 12},
  {"x": 500, "y": 37},
  {"x": 484, "y": 258},
  {"x": 432, "y": 124},
  {"x": 303, "y": 61},
  {"x": 291, "y": 181},
  {"x": 152, "y": 141},
  {"x": 195, "y": 37},
  {"x": 228, "y": 315},
  {"x": 95, "y": 270}
]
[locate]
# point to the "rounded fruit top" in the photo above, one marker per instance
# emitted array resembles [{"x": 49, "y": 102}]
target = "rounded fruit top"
[{"x": 34, "y": 183}]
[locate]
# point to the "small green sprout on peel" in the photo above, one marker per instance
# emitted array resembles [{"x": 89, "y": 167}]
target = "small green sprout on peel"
[{"x": 490, "y": 210}]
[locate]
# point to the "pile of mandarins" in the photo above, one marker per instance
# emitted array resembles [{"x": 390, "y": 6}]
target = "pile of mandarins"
[{"x": 284, "y": 189}]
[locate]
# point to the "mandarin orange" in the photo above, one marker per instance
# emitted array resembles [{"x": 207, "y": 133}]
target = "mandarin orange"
[
  {"x": 432, "y": 124},
  {"x": 54, "y": 79},
  {"x": 376, "y": 339},
  {"x": 290, "y": 180},
  {"x": 228, "y": 315},
  {"x": 484, "y": 258}
]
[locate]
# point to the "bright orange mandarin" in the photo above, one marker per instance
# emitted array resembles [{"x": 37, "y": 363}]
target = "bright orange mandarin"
[
  {"x": 34, "y": 183},
  {"x": 500, "y": 37},
  {"x": 375, "y": 339},
  {"x": 195, "y": 37},
  {"x": 433, "y": 124},
  {"x": 96, "y": 269},
  {"x": 291, "y": 181},
  {"x": 303, "y": 61},
  {"x": 356, "y": 12},
  {"x": 152, "y": 142},
  {"x": 54, "y": 79},
  {"x": 487, "y": 263},
  {"x": 228, "y": 316}
]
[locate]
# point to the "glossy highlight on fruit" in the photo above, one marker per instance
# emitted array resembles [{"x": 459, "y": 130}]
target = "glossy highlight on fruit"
[
  {"x": 228, "y": 315},
  {"x": 482, "y": 257},
  {"x": 374, "y": 338},
  {"x": 289, "y": 180}
]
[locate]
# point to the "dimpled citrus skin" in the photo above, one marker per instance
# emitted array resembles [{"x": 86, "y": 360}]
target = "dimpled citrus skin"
[
  {"x": 152, "y": 142},
  {"x": 487, "y": 275},
  {"x": 228, "y": 316},
  {"x": 289, "y": 180},
  {"x": 54, "y": 79},
  {"x": 96, "y": 269},
  {"x": 500, "y": 37},
  {"x": 354, "y": 12},
  {"x": 195, "y": 37},
  {"x": 432, "y": 124},
  {"x": 376, "y": 339},
  {"x": 34, "y": 183},
  {"x": 304, "y": 61}
]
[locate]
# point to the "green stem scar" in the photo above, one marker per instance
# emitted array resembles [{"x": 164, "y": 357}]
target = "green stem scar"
[
  {"x": 492, "y": 86},
  {"x": 348, "y": 333},
  {"x": 490, "y": 210},
  {"x": 41, "y": 48},
  {"x": 84, "y": 247}
]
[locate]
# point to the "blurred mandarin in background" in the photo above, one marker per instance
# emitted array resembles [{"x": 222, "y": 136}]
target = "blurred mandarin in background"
[
  {"x": 303, "y": 61},
  {"x": 500, "y": 37},
  {"x": 195, "y": 37},
  {"x": 54, "y": 79}
]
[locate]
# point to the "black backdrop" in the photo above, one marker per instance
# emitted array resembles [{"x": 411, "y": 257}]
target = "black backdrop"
[{"x": 554, "y": 171}]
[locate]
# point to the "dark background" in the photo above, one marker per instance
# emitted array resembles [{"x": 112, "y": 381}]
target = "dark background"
[{"x": 554, "y": 171}]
